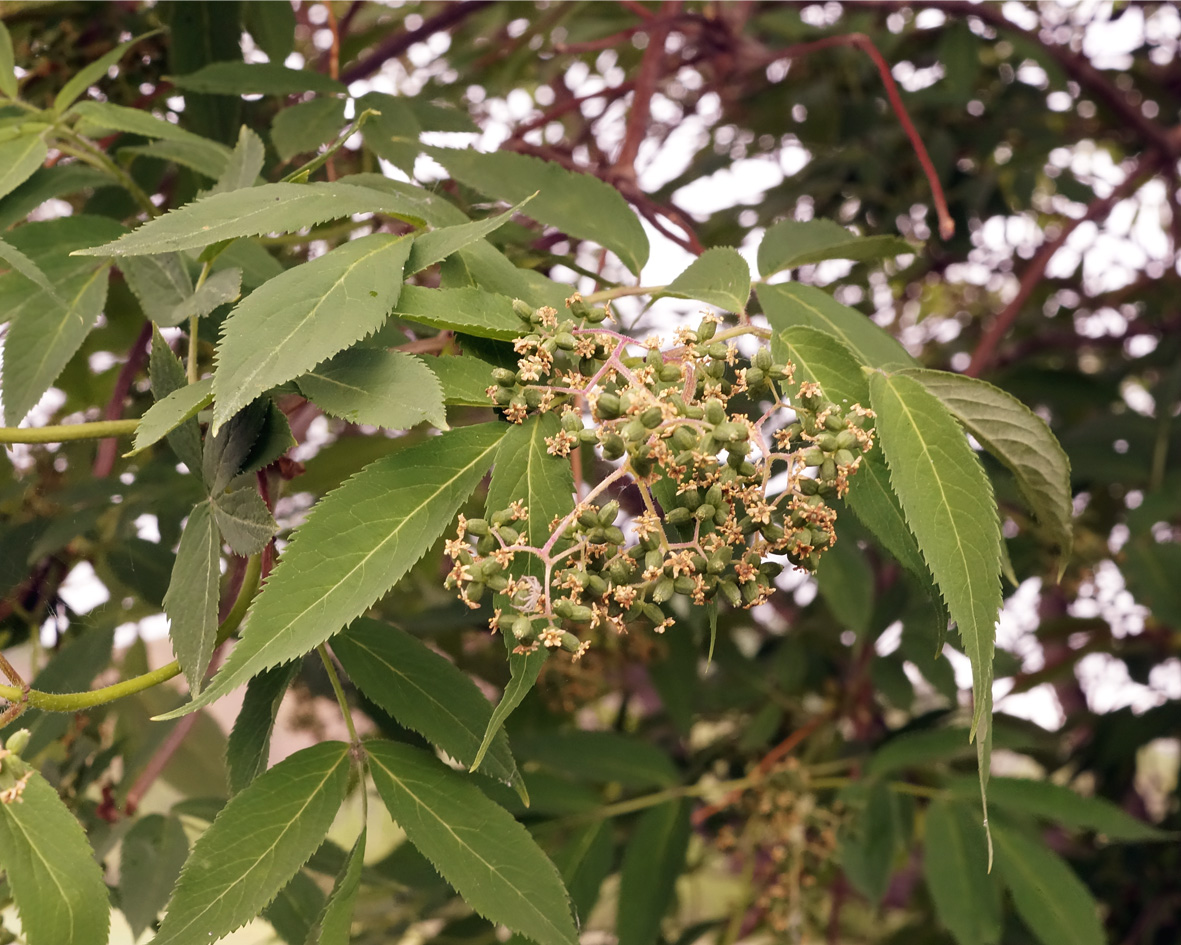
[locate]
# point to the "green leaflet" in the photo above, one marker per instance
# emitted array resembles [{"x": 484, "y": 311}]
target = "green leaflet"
[
  {"x": 651, "y": 864},
  {"x": 269, "y": 208},
  {"x": 208, "y": 158},
  {"x": 585, "y": 861},
  {"x": 1020, "y": 439},
  {"x": 490, "y": 859},
  {"x": 55, "y": 881},
  {"x": 792, "y": 243},
  {"x": 435, "y": 245},
  {"x": 244, "y": 165},
  {"x": 309, "y": 313},
  {"x": 159, "y": 282},
  {"x": 219, "y": 289},
  {"x": 304, "y": 127},
  {"x": 293, "y": 911},
  {"x": 255, "y": 78},
  {"x": 718, "y": 277},
  {"x": 244, "y": 520},
  {"x": 472, "y": 311},
  {"x": 525, "y": 470},
  {"x": 46, "y": 183},
  {"x": 191, "y": 601},
  {"x": 424, "y": 692},
  {"x": 393, "y": 133},
  {"x": 917, "y": 749},
  {"x": 869, "y": 841},
  {"x": 91, "y": 73},
  {"x": 357, "y": 543},
  {"x": 599, "y": 757},
  {"x": 1151, "y": 572},
  {"x": 19, "y": 158},
  {"x": 98, "y": 117},
  {"x": 789, "y": 304},
  {"x": 1051, "y": 900},
  {"x": 955, "y": 865},
  {"x": 845, "y": 581},
  {"x": 272, "y": 25},
  {"x": 388, "y": 389},
  {"x": 256, "y": 844},
  {"x": 7, "y": 61},
  {"x": 249, "y": 744},
  {"x": 465, "y": 379},
  {"x": 175, "y": 409},
  {"x": 332, "y": 927},
  {"x": 151, "y": 858},
  {"x": 578, "y": 204},
  {"x": 27, "y": 268},
  {"x": 1061, "y": 805},
  {"x": 482, "y": 264},
  {"x": 227, "y": 452},
  {"x": 948, "y": 503},
  {"x": 41, "y": 340}
]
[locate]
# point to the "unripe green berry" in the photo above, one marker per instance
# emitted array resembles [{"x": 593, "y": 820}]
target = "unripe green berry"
[
  {"x": 705, "y": 331},
  {"x": 608, "y": 407},
  {"x": 504, "y": 377},
  {"x": 665, "y": 588},
  {"x": 762, "y": 359},
  {"x": 684, "y": 585},
  {"x": 827, "y": 442},
  {"x": 834, "y": 423},
  {"x": 652, "y": 417},
  {"x": 714, "y": 495},
  {"x": 653, "y": 613},
  {"x": 522, "y": 628},
  {"x": 596, "y": 585},
  {"x": 508, "y": 534},
  {"x": 731, "y": 592},
  {"x": 533, "y": 397},
  {"x": 828, "y": 470},
  {"x": 808, "y": 486},
  {"x": 503, "y": 396},
  {"x": 714, "y": 411},
  {"x": 571, "y": 422},
  {"x": 609, "y": 512},
  {"x": 523, "y": 309},
  {"x": 755, "y": 378},
  {"x": 18, "y": 741},
  {"x": 486, "y": 545},
  {"x": 716, "y": 370},
  {"x": 678, "y": 516},
  {"x": 614, "y": 535},
  {"x": 718, "y": 351},
  {"x": 813, "y": 457},
  {"x": 669, "y": 373},
  {"x": 613, "y": 446},
  {"x": 588, "y": 435},
  {"x": 475, "y": 591},
  {"x": 843, "y": 457},
  {"x": 564, "y": 340},
  {"x": 477, "y": 527},
  {"x": 705, "y": 512}
]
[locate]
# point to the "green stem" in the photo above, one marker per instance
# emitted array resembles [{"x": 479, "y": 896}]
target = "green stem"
[
  {"x": 87, "y": 151},
  {"x": 334, "y": 678},
  {"x": 76, "y": 701},
  {"x": 898, "y": 787},
  {"x": 194, "y": 342},
  {"x": 622, "y": 291},
  {"x": 633, "y": 804},
  {"x": 71, "y": 431}
]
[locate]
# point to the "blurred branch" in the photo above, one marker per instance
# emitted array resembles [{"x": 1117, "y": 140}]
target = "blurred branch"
[
  {"x": 104, "y": 460},
  {"x": 395, "y": 45},
  {"x": 646, "y": 79}
]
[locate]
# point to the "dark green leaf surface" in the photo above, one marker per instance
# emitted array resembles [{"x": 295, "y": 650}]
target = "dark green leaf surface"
[
  {"x": 304, "y": 127},
  {"x": 168, "y": 414},
  {"x": 600, "y": 757},
  {"x": 249, "y": 744},
  {"x": 160, "y": 283},
  {"x": 653, "y": 860},
  {"x": 151, "y": 858},
  {"x": 465, "y": 379},
  {"x": 869, "y": 841},
  {"x": 368, "y": 385},
  {"x": 718, "y": 277},
  {"x": 1051, "y": 900},
  {"x": 256, "y": 844},
  {"x": 244, "y": 520},
  {"x": 292, "y": 323},
  {"x": 792, "y": 243},
  {"x": 577, "y": 204},
  {"x": 55, "y": 881},
  {"x": 472, "y": 311},
  {"x": 227, "y": 452},
  {"x": 208, "y": 158},
  {"x": 955, "y": 865},
  {"x": 790, "y": 304},
  {"x": 333, "y": 925},
  {"x": 191, "y": 601},
  {"x": 475, "y": 844},
  {"x": 356, "y": 544},
  {"x": 270, "y": 208},
  {"x": 98, "y": 117},
  {"x": 92, "y": 73},
  {"x": 19, "y": 158},
  {"x": 424, "y": 692},
  {"x": 272, "y": 25},
  {"x": 255, "y": 78},
  {"x": 1020, "y": 439}
]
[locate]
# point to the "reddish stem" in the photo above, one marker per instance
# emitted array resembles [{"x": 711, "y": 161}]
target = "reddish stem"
[{"x": 108, "y": 449}]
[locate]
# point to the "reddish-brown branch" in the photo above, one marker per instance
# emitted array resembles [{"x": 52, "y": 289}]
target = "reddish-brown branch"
[
  {"x": 865, "y": 44},
  {"x": 637, "y": 8},
  {"x": 985, "y": 351},
  {"x": 616, "y": 91},
  {"x": 646, "y": 80},
  {"x": 397, "y": 44},
  {"x": 334, "y": 49},
  {"x": 108, "y": 450}
]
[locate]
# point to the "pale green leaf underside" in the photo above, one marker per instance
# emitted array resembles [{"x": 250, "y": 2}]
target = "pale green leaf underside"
[
  {"x": 160, "y": 283},
  {"x": 293, "y": 322},
  {"x": 472, "y": 311},
  {"x": 424, "y": 692},
  {"x": 388, "y": 389},
  {"x": 577, "y": 204},
  {"x": 718, "y": 277},
  {"x": 55, "y": 881},
  {"x": 955, "y": 865},
  {"x": 166, "y": 415},
  {"x": 220, "y": 288},
  {"x": 256, "y": 844},
  {"x": 270, "y": 208},
  {"x": 1019, "y": 438},
  {"x": 244, "y": 165},
  {"x": 244, "y": 520},
  {"x": 19, "y": 158},
  {"x": 792, "y": 243},
  {"x": 191, "y": 600},
  {"x": 431, "y": 247},
  {"x": 490, "y": 859},
  {"x": 789, "y": 304},
  {"x": 304, "y": 127},
  {"x": 208, "y": 158},
  {"x": 358, "y": 541}
]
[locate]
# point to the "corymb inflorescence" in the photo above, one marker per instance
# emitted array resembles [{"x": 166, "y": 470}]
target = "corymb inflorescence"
[{"x": 725, "y": 491}]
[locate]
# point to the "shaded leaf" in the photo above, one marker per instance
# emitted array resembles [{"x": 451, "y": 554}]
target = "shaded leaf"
[
  {"x": 191, "y": 600},
  {"x": 435, "y": 245},
  {"x": 475, "y": 844},
  {"x": 272, "y": 25},
  {"x": 846, "y": 583},
  {"x": 208, "y": 158},
  {"x": 368, "y": 385},
  {"x": 227, "y": 452},
  {"x": 244, "y": 164},
  {"x": 7, "y": 61},
  {"x": 718, "y": 277},
  {"x": 424, "y": 692},
  {"x": 577, "y": 204},
  {"x": 94, "y": 118},
  {"x": 792, "y": 243},
  {"x": 584, "y": 862},
  {"x": 220, "y": 288},
  {"x": 791, "y": 304},
  {"x": 310, "y": 312},
  {"x": 1051, "y": 900},
  {"x": 465, "y": 379},
  {"x": 955, "y": 865},
  {"x": 304, "y": 127},
  {"x": 160, "y": 283},
  {"x": 256, "y": 844},
  {"x": 19, "y": 158},
  {"x": 357, "y": 543},
  {"x": 255, "y": 78},
  {"x": 151, "y": 858},
  {"x": 293, "y": 911},
  {"x": 653, "y": 860},
  {"x": 26, "y": 267},
  {"x": 244, "y": 520},
  {"x": 869, "y": 841},
  {"x": 248, "y": 746},
  {"x": 56, "y": 883},
  {"x": 1151, "y": 570},
  {"x": 472, "y": 311},
  {"x": 332, "y": 926},
  {"x": 1020, "y": 439},
  {"x": 165, "y": 416},
  {"x": 600, "y": 757},
  {"x": 91, "y": 73}
]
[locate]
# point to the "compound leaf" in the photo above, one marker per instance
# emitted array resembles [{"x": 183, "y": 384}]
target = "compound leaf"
[
  {"x": 256, "y": 844},
  {"x": 476, "y": 845},
  {"x": 296, "y": 320},
  {"x": 358, "y": 542}
]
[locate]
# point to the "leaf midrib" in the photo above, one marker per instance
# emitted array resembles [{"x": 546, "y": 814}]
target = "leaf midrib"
[{"x": 49, "y": 869}]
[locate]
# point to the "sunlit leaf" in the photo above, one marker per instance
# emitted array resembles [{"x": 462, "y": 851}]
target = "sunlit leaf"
[
  {"x": 472, "y": 311},
  {"x": 792, "y": 243},
  {"x": 718, "y": 277},
  {"x": 384, "y": 388}
]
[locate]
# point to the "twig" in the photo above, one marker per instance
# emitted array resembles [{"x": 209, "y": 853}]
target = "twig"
[
  {"x": 104, "y": 461},
  {"x": 646, "y": 79},
  {"x": 63, "y": 433},
  {"x": 397, "y": 44},
  {"x": 985, "y": 351}
]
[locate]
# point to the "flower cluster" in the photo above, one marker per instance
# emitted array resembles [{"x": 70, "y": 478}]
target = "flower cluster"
[{"x": 712, "y": 521}]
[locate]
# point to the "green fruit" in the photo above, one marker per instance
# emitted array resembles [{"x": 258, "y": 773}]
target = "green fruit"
[
  {"x": 678, "y": 516},
  {"x": 834, "y": 423},
  {"x": 827, "y": 442},
  {"x": 718, "y": 351},
  {"x": 613, "y": 446},
  {"x": 684, "y": 585},
  {"x": 843, "y": 457},
  {"x": 705, "y": 512},
  {"x": 705, "y": 331},
  {"x": 846, "y": 440},
  {"x": 608, "y": 407},
  {"x": 522, "y": 628},
  {"x": 714, "y": 411},
  {"x": 614, "y": 535},
  {"x": 477, "y": 527},
  {"x": 731, "y": 592},
  {"x": 523, "y": 309},
  {"x": 665, "y": 588},
  {"x": 652, "y": 417},
  {"x": 565, "y": 340},
  {"x": 503, "y": 396},
  {"x": 762, "y": 359},
  {"x": 504, "y": 377},
  {"x": 609, "y": 512},
  {"x": 475, "y": 591},
  {"x": 814, "y": 457},
  {"x": 828, "y": 470},
  {"x": 669, "y": 373},
  {"x": 755, "y": 378}
]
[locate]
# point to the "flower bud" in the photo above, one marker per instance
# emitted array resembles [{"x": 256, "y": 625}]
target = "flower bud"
[
  {"x": 762, "y": 359},
  {"x": 705, "y": 331},
  {"x": 714, "y": 411},
  {"x": 523, "y": 309},
  {"x": 665, "y": 588},
  {"x": 652, "y": 417}
]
